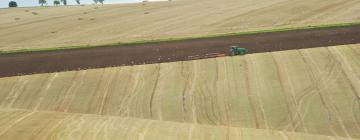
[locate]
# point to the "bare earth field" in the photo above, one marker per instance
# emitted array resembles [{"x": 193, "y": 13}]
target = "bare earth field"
[
  {"x": 82, "y": 25},
  {"x": 296, "y": 94},
  {"x": 15, "y": 64}
]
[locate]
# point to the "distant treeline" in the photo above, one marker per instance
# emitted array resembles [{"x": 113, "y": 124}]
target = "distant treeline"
[{"x": 55, "y": 2}]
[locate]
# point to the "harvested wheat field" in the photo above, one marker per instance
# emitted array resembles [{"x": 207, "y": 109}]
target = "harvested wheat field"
[
  {"x": 55, "y": 125},
  {"x": 93, "y": 25},
  {"x": 296, "y": 94}
]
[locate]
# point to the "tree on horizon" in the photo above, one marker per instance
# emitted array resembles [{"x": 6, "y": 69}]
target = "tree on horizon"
[
  {"x": 56, "y": 2},
  {"x": 64, "y": 2},
  {"x": 42, "y": 2},
  {"x": 99, "y": 1},
  {"x": 77, "y": 1},
  {"x": 13, "y": 4}
]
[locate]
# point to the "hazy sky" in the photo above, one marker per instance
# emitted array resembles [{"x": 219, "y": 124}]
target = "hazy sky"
[{"x": 26, "y": 3}]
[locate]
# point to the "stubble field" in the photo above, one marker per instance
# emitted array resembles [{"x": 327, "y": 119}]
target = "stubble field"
[
  {"x": 297, "y": 94},
  {"x": 83, "y": 25}
]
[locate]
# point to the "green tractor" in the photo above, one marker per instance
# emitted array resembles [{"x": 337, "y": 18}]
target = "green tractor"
[{"x": 235, "y": 50}]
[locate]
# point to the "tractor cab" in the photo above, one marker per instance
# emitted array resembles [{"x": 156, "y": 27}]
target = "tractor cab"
[{"x": 235, "y": 50}]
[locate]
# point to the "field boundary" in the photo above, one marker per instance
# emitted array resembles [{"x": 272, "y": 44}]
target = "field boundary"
[{"x": 164, "y": 40}]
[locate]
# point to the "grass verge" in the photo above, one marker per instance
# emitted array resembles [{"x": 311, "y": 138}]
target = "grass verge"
[{"x": 27, "y": 50}]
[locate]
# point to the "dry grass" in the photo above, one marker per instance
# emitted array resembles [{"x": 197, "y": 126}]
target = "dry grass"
[
  {"x": 56, "y": 126},
  {"x": 84, "y": 25},
  {"x": 297, "y": 94}
]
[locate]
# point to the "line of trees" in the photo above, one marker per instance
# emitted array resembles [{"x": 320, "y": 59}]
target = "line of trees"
[
  {"x": 56, "y": 2},
  {"x": 64, "y": 2}
]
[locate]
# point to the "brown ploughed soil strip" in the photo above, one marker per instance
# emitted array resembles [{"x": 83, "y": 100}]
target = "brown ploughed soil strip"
[{"x": 137, "y": 54}]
